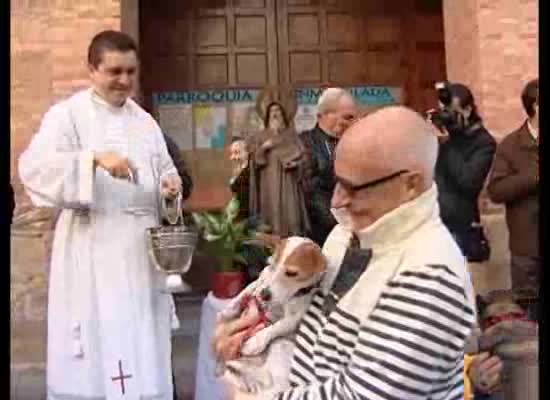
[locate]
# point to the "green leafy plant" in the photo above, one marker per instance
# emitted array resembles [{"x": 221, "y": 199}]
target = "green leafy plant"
[{"x": 226, "y": 237}]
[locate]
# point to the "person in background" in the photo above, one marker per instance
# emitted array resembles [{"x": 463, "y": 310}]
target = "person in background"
[
  {"x": 186, "y": 188},
  {"x": 466, "y": 151},
  {"x": 239, "y": 184},
  {"x": 183, "y": 172},
  {"x": 240, "y": 175},
  {"x": 514, "y": 182},
  {"x": 335, "y": 112},
  {"x": 181, "y": 166}
]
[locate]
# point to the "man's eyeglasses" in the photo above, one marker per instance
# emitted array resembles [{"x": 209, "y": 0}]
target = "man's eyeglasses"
[{"x": 351, "y": 188}]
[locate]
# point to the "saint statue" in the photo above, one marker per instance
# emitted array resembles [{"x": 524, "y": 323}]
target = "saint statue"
[{"x": 277, "y": 168}]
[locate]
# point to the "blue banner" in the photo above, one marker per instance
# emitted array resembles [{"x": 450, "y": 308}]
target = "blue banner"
[
  {"x": 365, "y": 95},
  {"x": 205, "y": 96}
]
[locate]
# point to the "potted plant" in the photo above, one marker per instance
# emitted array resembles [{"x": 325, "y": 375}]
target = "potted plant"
[{"x": 226, "y": 238}]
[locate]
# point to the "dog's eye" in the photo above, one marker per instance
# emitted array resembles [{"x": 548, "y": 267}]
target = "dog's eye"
[{"x": 291, "y": 274}]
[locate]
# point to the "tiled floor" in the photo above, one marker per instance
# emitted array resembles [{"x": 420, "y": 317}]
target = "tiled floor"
[{"x": 30, "y": 384}]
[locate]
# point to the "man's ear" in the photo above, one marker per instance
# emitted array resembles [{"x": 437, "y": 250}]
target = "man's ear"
[{"x": 414, "y": 182}]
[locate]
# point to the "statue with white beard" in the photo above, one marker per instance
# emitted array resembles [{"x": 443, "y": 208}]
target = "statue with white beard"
[{"x": 278, "y": 161}]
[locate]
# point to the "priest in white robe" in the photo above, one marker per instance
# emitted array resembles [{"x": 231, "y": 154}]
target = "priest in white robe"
[{"x": 108, "y": 320}]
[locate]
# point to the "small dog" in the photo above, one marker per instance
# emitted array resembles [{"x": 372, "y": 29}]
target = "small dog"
[
  {"x": 506, "y": 329},
  {"x": 508, "y": 333},
  {"x": 251, "y": 331}
]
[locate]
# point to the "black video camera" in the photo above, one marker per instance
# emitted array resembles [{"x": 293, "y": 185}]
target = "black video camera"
[{"x": 444, "y": 117}]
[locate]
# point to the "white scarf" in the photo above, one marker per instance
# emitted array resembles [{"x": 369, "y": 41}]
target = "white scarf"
[{"x": 387, "y": 238}]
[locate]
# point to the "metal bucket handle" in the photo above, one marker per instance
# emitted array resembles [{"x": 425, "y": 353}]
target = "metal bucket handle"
[{"x": 164, "y": 209}]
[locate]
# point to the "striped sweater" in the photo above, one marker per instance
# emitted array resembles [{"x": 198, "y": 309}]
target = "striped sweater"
[{"x": 397, "y": 331}]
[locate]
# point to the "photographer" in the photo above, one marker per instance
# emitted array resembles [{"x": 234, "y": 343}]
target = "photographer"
[{"x": 466, "y": 153}]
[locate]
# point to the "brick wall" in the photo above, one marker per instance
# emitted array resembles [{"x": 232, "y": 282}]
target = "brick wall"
[
  {"x": 49, "y": 40},
  {"x": 462, "y": 42},
  {"x": 492, "y": 45}
]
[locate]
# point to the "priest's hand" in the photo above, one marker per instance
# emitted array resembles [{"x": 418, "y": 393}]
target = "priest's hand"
[
  {"x": 170, "y": 186},
  {"x": 116, "y": 165}
]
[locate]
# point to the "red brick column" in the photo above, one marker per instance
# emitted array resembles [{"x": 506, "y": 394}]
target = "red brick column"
[
  {"x": 49, "y": 41},
  {"x": 492, "y": 46}
]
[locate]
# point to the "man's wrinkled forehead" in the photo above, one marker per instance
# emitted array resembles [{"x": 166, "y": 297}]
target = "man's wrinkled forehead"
[
  {"x": 346, "y": 103},
  {"x": 355, "y": 150}
]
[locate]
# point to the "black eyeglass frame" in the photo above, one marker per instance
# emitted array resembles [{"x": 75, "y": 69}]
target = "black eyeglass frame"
[{"x": 350, "y": 187}]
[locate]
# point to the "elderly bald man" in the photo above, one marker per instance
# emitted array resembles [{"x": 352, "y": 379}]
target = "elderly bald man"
[{"x": 391, "y": 317}]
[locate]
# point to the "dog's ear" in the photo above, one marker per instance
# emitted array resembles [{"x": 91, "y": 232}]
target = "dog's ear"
[
  {"x": 318, "y": 260},
  {"x": 278, "y": 251},
  {"x": 310, "y": 258},
  {"x": 271, "y": 241}
]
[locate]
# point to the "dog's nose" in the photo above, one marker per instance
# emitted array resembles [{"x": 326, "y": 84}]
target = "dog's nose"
[{"x": 265, "y": 294}]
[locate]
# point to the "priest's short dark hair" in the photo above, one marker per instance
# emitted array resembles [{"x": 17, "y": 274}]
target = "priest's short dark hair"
[{"x": 109, "y": 40}]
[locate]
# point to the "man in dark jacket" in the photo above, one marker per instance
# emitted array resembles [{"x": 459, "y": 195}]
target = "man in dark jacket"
[
  {"x": 186, "y": 188},
  {"x": 335, "y": 113},
  {"x": 515, "y": 182},
  {"x": 240, "y": 176},
  {"x": 179, "y": 163},
  {"x": 465, "y": 157}
]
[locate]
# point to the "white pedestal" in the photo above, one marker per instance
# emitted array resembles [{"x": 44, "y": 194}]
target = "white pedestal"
[{"x": 207, "y": 387}]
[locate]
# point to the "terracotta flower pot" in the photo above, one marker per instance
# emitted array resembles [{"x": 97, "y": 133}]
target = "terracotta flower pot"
[{"x": 226, "y": 285}]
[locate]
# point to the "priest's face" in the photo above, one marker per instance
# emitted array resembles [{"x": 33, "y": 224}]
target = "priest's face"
[{"x": 114, "y": 78}]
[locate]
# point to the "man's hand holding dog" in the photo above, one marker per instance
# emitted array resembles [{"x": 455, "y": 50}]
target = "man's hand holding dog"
[{"x": 256, "y": 344}]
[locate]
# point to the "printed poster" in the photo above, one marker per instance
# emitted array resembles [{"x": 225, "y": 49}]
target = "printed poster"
[
  {"x": 245, "y": 120},
  {"x": 175, "y": 120},
  {"x": 305, "y": 118},
  {"x": 210, "y": 124}
]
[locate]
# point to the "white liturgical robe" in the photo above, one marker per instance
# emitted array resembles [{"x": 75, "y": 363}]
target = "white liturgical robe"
[{"x": 108, "y": 321}]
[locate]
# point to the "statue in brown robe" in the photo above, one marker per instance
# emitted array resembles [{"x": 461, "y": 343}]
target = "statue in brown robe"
[{"x": 277, "y": 169}]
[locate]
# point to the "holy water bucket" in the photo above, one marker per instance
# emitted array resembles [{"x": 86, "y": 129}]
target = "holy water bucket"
[{"x": 171, "y": 248}]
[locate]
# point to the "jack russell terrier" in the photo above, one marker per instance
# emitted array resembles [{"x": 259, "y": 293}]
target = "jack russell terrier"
[{"x": 251, "y": 331}]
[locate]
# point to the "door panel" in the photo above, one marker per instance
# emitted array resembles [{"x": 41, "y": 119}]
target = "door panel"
[
  {"x": 218, "y": 44},
  {"x": 251, "y": 43},
  {"x": 326, "y": 43},
  {"x": 215, "y": 44}
]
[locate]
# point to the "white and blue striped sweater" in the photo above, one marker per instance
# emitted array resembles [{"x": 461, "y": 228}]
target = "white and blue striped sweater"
[{"x": 398, "y": 333}]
